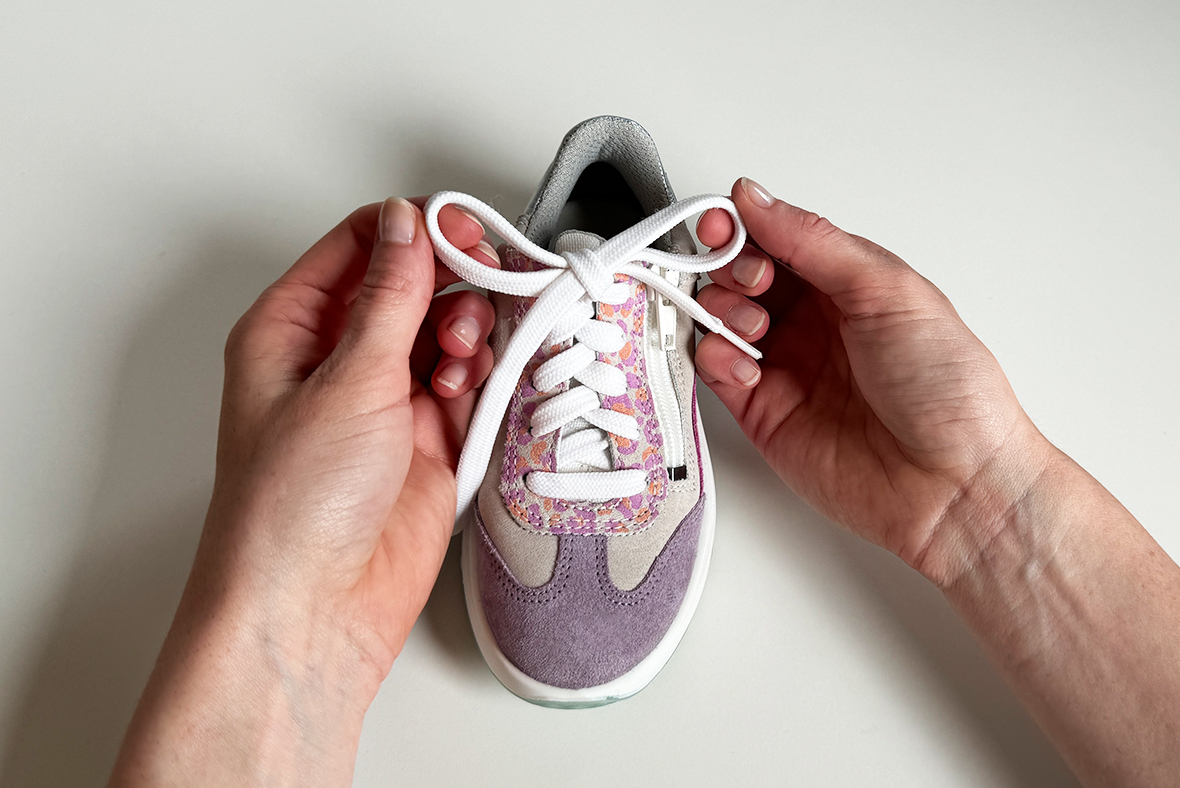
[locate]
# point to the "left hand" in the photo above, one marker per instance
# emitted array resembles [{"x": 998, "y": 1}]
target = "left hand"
[
  {"x": 348, "y": 389},
  {"x": 336, "y": 454}
]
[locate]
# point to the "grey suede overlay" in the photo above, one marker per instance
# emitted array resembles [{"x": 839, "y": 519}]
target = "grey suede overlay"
[
  {"x": 530, "y": 556},
  {"x": 579, "y": 630}
]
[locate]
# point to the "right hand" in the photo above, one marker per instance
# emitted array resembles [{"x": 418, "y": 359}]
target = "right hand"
[{"x": 874, "y": 402}]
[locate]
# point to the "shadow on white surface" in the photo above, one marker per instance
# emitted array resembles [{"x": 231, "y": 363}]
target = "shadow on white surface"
[
  {"x": 145, "y": 518},
  {"x": 874, "y": 589},
  {"x": 445, "y": 616}
]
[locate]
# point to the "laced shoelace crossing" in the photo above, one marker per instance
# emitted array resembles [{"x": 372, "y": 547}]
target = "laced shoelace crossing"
[{"x": 565, "y": 291}]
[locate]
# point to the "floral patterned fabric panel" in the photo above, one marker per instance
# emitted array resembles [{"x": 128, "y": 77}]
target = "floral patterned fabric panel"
[{"x": 524, "y": 453}]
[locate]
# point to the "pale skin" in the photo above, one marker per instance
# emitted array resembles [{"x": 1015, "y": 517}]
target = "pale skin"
[{"x": 347, "y": 394}]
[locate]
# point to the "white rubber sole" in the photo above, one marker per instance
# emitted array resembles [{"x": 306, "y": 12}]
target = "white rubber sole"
[{"x": 631, "y": 682}]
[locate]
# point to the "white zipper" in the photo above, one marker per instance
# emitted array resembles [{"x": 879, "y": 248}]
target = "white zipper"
[{"x": 660, "y": 335}]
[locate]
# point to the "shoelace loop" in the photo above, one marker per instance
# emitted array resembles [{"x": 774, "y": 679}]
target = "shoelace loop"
[{"x": 558, "y": 287}]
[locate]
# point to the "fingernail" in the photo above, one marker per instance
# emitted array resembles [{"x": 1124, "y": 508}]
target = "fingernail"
[
  {"x": 488, "y": 249},
  {"x": 471, "y": 216},
  {"x": 745, "y": 371},
  {"x": 748, "y": 269},
  {"x": 758, "y": 195},
  {"x": 744, "y": 318},
  {"x": 398, "y": 222},
  {"x": 466, "y": 330},
  {"x": 453, "y": 376}
]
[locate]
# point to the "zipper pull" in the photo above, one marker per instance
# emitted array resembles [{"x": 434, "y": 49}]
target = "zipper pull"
[{"x": 666, "y": 314}]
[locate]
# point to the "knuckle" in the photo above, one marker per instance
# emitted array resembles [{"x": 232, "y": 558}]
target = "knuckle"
[
  {"x": 883, "y": 292},
  {"x": 239, "y": 336},
  {"x": 813, "y": 227},
  {"x": 936, "y": 293},
  {"x": 799, "y": 232},
  {"x": 920, "y": 291},
  {"x": 812, "y": 223},
  {"x": 391, "y": 286}
]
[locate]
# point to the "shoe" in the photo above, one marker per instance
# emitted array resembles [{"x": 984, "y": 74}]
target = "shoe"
[{"x": 586, "y": 496}]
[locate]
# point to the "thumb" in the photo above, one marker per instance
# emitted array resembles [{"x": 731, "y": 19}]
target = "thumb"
[
  {"x": 861, "y": 278},
  {"x": 394, "y": 296}
]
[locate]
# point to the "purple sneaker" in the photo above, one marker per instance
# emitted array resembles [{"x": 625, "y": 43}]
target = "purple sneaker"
[{"x": 585, "y": 490}]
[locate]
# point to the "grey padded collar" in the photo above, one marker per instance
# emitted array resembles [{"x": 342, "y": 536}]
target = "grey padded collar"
[{"x": 626, "y": 146}]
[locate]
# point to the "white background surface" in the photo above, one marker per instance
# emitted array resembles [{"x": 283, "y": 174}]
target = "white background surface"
[{"x": 160, "y": 163}]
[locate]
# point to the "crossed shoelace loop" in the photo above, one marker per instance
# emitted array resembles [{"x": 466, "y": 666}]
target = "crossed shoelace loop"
[
  {"x": 590, "y": 271},
  {"x": 564, "y": 290}
]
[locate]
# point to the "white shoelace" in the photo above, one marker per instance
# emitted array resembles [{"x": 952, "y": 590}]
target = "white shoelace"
[{"x": 565, "y": 291}]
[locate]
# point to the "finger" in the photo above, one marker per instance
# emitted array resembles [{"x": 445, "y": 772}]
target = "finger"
[
  {"x": 785, "y": 290},
  {"x": 750, "y": 273},
  {"x": 335, "y": 265},
  {"x": 740, "y": 314},
  {"x": 727, "y": 369},
  {"x": 459, "y": 226},
  {"x": 860, "y": 277},
  {"x": 297, "y": 321},
  {"x": 462, "y": 321},
  {"x": 715, "y": 228},
  {"x": 393, "y": 298},
  {"x": 465, "y": 232},
  {"x": 484, "y": 252},
  {"x": 454, "y": 377},
  {"x": 731, "y": 374},
  {"x": 457, "y": 411}
]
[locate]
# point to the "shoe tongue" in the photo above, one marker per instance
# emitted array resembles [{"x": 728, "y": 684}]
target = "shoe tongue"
[
  {"x": 576, "y": 240},
  {"x": 566, "y": 241}
]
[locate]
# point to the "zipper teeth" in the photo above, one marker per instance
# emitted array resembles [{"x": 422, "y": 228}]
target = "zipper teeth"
[{"x": 663, "y": 391}]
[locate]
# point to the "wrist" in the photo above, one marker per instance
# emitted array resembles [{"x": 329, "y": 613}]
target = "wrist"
[
  {"x": 303, "y": 597},
  {"x": 1077, "y": 605},
  {"x": 252, "y": 685},
  {"x": 1018, "y": 547},
  {"x": 987, "y": 519}
]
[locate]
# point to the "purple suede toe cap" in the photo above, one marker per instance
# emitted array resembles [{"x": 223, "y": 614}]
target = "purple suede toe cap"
[{"x": 579, "y": 630}]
